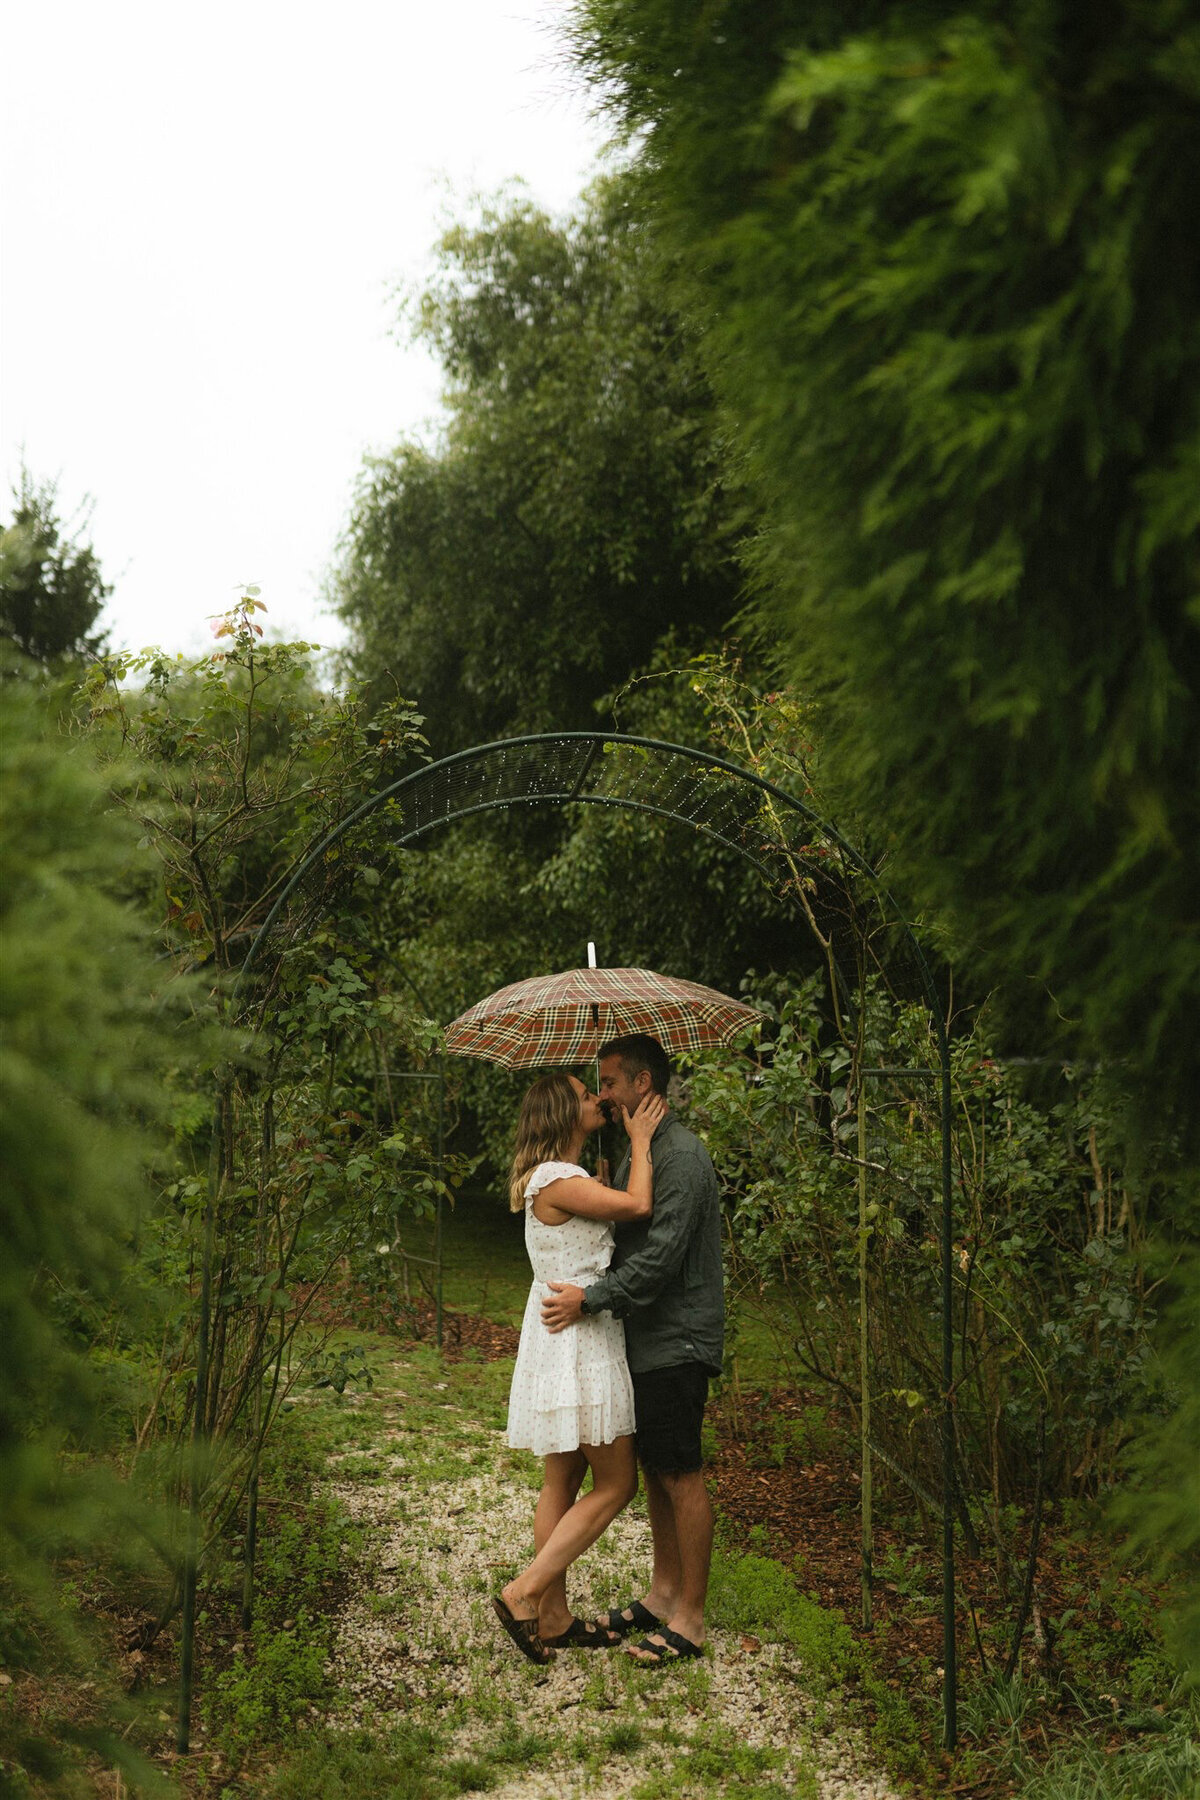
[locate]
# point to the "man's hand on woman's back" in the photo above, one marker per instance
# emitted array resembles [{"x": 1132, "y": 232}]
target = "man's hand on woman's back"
[{"x": 564, "y": 1307}]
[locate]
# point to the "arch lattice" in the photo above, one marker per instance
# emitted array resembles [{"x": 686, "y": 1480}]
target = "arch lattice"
[{"x": 845, "y": 906}]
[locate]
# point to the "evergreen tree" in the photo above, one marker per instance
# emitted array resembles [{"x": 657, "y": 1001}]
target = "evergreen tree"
[
  {"x": 51, "y": 589},
  {"x": 85, "y": 1047},
  {"x": 945, "y": 267}
]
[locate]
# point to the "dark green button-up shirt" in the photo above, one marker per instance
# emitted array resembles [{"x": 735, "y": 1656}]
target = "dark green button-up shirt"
[{"x": 665, "y": 1278}]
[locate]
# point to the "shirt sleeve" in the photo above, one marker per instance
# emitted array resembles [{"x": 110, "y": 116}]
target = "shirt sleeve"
[{"x": 642, "y": 1276}]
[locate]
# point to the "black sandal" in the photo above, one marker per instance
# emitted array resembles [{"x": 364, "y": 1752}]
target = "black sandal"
[
  {"x": 674, "y": 1648},
  {"x": 615, "y": 1621},
  {"x": 523, "y": 1632},
  {"x": 583, "y": 1634}
]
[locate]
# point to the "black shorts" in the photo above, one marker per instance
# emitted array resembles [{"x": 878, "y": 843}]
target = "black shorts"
[{"x": 669, "y": 1412}]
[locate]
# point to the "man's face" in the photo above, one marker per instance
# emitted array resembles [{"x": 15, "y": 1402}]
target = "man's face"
[
  {"x": 590, "y": 1106},
  {"x": 616, "y": 1086}
]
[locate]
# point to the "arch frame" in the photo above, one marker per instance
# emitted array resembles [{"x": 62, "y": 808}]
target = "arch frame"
[{"x": 573, "y": 791}]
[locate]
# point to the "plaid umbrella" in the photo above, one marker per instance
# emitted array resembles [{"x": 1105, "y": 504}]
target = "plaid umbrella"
[{"x": 565, "y": 1018}]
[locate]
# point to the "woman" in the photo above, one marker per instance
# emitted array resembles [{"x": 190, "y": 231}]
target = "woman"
[{"x": 572, "y": 1399}]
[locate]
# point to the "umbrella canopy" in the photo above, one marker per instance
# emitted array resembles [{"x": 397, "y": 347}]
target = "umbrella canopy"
[{"x": 565, "y": 1018}]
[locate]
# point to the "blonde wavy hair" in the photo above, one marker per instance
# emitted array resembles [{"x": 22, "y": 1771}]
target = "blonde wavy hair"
[{"x": 547, "y": 1122}]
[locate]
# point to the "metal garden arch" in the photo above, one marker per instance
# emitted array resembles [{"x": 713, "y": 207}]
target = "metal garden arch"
[{"x": 829, "y": 882}]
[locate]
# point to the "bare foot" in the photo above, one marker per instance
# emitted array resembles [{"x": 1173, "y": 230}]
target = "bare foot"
[
  {"x": 554, "y": 1623},
  {"x": 666, "y": 1645},
  {"x": 518, "y": 1605},
  {"x": 661, "y": 1605},
  {"x": 688, "y": 1625}
]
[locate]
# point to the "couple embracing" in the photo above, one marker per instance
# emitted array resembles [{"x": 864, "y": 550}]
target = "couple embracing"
[{"x": 622, "y": 1331}]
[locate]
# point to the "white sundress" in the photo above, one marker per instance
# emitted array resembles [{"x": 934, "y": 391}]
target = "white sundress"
[{"x": 569, "y": 1387}]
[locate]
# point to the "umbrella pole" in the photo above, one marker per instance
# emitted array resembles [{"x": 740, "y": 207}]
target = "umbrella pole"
[
  {"x": 605, "y": 1153},
  {"x": 602, "y": 1156}
]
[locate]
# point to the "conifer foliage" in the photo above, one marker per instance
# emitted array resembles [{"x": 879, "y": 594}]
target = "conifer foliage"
[
  {"x": 52, "y": 592},
  {"x": 949, "y": 287},
  {"x": 85, "y": 1041}
]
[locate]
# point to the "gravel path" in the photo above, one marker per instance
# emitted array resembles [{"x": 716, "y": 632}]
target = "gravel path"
[{"x": 447, "y": 1515}]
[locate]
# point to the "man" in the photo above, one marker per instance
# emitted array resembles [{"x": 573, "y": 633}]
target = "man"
[{"x": 665, "y": 1281}]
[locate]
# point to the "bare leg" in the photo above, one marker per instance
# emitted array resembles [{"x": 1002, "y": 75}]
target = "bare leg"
[
  {"x": 667, "y": 1574},
  {"x": 562, "y": 1478},
  {"x": 692, "y": 1528},
  {"x": 614, "y": 1483}
]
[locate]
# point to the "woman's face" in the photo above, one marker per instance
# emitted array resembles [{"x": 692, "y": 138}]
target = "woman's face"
[{"x": 591, "y": 1112}]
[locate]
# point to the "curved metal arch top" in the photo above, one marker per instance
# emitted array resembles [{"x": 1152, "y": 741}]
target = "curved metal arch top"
[
  {"x": 716, "y": 796},
  {"x": 753, "y": 817}
]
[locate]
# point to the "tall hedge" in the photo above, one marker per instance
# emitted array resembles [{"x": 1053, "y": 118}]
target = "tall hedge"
[
  {"x": 947, "y": 267},
  {"x": 86, "y": 1047}
]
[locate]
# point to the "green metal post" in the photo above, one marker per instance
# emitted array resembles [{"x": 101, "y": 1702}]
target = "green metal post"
[
  {"x": 251, "y": 1545},
  {"x": 439, "y": 1202},
  {"x": 191, "y": 1559},
  {"x": 949, "y": 1644},
  {"x": 864, "y": 1367}
]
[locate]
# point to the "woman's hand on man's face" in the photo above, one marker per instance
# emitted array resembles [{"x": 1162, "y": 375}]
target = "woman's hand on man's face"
[{"x": 642, "y": 1124}]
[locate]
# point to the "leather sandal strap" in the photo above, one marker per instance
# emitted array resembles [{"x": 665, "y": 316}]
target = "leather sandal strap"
[
  {"x": 642, "y": 1620},
  {"x": 674, "y": 1647}
]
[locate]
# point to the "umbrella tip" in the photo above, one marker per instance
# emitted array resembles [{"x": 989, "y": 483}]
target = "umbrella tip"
[{"x": 591, "y": 956}]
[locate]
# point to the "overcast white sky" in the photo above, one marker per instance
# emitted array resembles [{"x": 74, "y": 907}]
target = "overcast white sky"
[{"x": 205, "y": 213}]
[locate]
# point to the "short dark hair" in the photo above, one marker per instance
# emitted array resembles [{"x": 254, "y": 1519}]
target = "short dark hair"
[{"x": 637, "y": 1052}]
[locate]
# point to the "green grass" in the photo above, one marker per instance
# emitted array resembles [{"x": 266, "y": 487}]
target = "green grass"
[
  {"x": 518, "y": 1749},
  {"x": 359, "y": 1766},
  {"x": 278, "y": 1676},
  {"x": 753, "y": 1593},
  {"x": 760, "y": 1335},
  {"x": 623, "y": 1739},
  {"x": 484, "y": 1266},
  {"x": 1161, "y": 1769},
  {"x": 717, "y": 1763},
  {"x": 433, "y": 1420},
  {"x": 750, "y": 1592},
  {"x": 436, "y": 1421}
]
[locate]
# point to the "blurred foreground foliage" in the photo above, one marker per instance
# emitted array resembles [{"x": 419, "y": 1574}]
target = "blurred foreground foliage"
[
  {"x": 96, "y": 1036},
  {"x": 191, "y": 1155}
]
